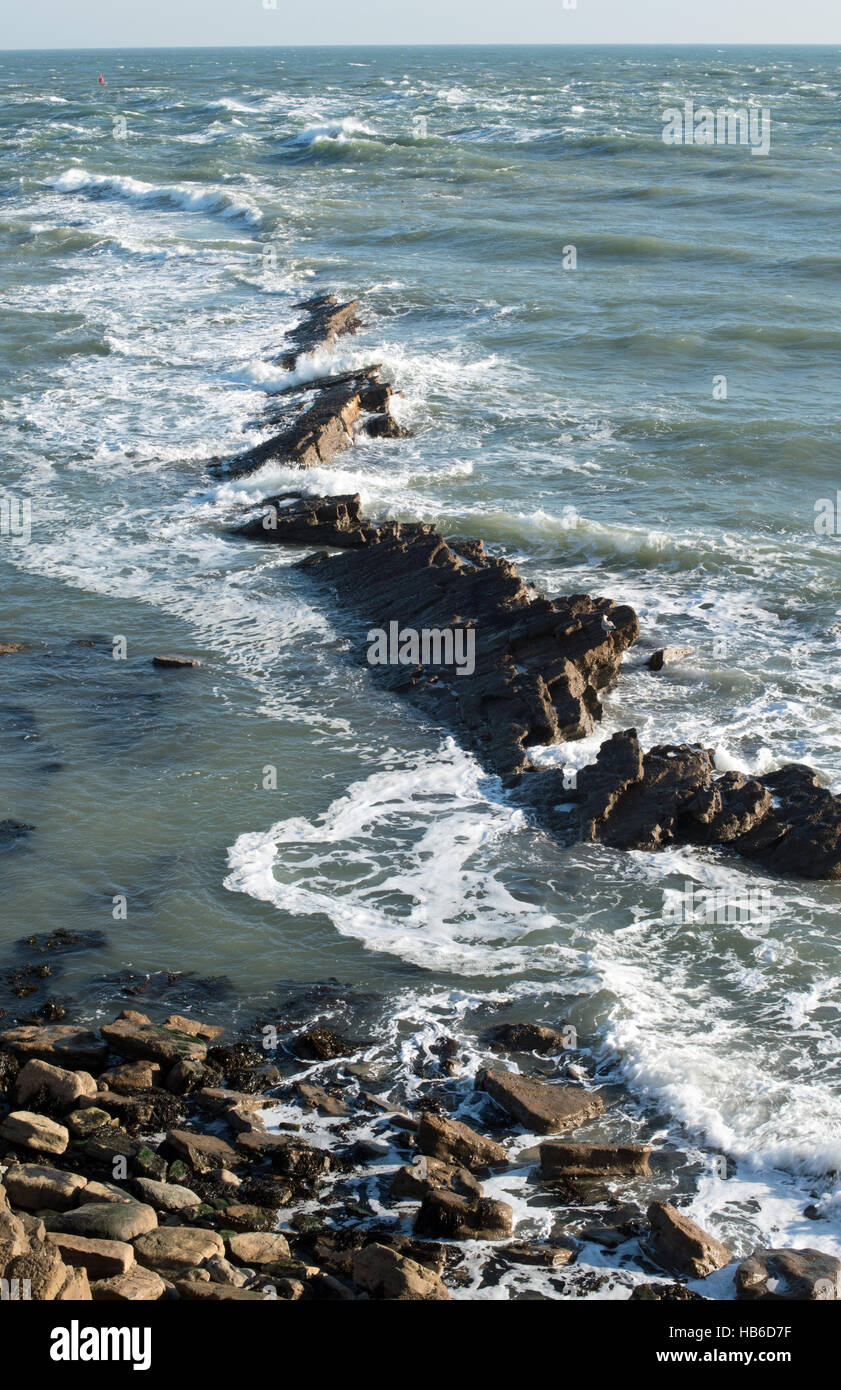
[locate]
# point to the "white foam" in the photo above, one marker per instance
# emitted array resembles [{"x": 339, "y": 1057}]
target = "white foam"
[{"x": 190, "y": 197}]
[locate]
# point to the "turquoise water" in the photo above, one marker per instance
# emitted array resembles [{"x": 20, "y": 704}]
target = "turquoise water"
[{"x": 149, "y": 270}]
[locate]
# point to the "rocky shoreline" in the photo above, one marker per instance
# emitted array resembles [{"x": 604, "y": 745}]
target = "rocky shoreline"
[
  {"x": 147, "y": 1161},
  {"x": 162, "y": 1158}
]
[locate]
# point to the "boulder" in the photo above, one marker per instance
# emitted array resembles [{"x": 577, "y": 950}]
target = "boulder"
[
  {"x": 105, "y": 1220},
  {"x": 76, "y": 1287},
  {"x": 166, "y": 1196},
  {"x": 528, "y": 1037},
  {"x": 83, "y": 1123},
  {"x": 541, "y": 1106},
  {"x": 384, "y": 1273},
  {"x": 40, "y": 1081},
  {"x": 58, "y": 1043},
  {"x": 415, "y": 1180},
  {"x": 26, "y": 1130},
  {"x": 681, "y": 1246},
  {"x": 789, "y": 1275},
  {"x": 43, "y": 1267},
  {"x": 129, "y": 1077},
  {"x": 457, "y": 1143},
  {"x": 258, "y": 1248},
  {"x": 100, "y": 1258},
  {"x": 33, "y": 1187},
  {"x": 138, "y": 1285},
  {"x": 177, "y": 1247},
  {"x": 151, "y": 1042},
  {"x": 13, "y": 1238},
  {"x": 447, "y": 1216},
  {"x": 203, "y": 1152},
  {"x": 666, "y": 656},
  {"x": 560, "y": 1160}
]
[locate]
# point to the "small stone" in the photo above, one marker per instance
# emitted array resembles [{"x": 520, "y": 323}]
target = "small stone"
[
  {"x": 665, "y": 656},
  {"x": 27, "y": 1130}
]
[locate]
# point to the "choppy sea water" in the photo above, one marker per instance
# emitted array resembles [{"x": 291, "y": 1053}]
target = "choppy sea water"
[{"x": 156, "y": 233}]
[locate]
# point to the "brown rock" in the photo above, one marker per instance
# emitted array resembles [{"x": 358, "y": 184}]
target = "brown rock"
[
  {"x": 129, "y": 1077},
  {"x": 100, "y": 1258},
  {"x": 58, "y": 1043},
  {"x": 150, "y": 1042},
  {"x": 540, "y": 1106},
  {"x": 415, "y": 1180},
  {"x": 43, "y": 1267},
  {"x": 76, "y": 1288},
  {"x": 789, "y": 1275},
  {"x": 33, "y": 1187},
  {"x": 529, "y": 1037},
  {"x": 387, "y": 1274},
  {"x": 446, "y": 1216},
  {"x": 559, "y": 1160},
  {"x": 681, "y": 1245},
  {"x": 62, "y": 1088},
  {"x": 137, "y": 1286},
  {"x": 195, "y": 1290},
  {"x": 456, "y": 1142},
  {"x": 258, "y": 1248},
  {"x": 26, "y": 1130},
  {"x": 177, "y": 1247},
  {"x": 203, "y": 1152},
  {"x": 666, "y": 656}
]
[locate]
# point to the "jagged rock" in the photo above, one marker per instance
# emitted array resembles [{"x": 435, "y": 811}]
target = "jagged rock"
[
  {"x": 26, "y": 1130},
  {"x": 316, "y": 1098},
  {"x": 194, "y": 1027},
  {"x": 539, "y": 664},
  {"x": 121, "y": 1221},
  {"x": 76, "y": 1287},
  {"x": 325, "y": 320},
  {"x": 203, "y": 1152},
  {"x": 665, "y": 1293},
  {"x": 83, "y": 1123},
  {"x": 218, "y": 1101},
  {"x": 177, "y": 1247},
  {"x": 384, "y": 426},
  {"x": 559, "y": 1160},
  {"x": 100, "y": 1258},
  {"x": 248, "y": 1218},
  {"x": 43, "y": 1267},
  {"x": 415, "y": 1180},
  {"x": 555, "y": 1255},
  {"x": 13, "y": 1238},
  {"x": 681, "y": 1245},
  {"x": 456, "y": 1142},
  {"x": 541, "y": 1106},
  {"x": 33, "y": 1187},
  {"x": 447, "y": 1216},
  {"x": 796, "y": 1275},
  {"x": 58, "y": 1043},
  {"x": 138, "y": 1285},
  {"x": 221, "y": 1271},
  {"x": 389, "y": 1275},
  {"x": 321, "y": 1044},
  {"x": 186, "y": 1076},
  {"x": 56, "y": 1085},
  {"x": 666, "y": 656}
]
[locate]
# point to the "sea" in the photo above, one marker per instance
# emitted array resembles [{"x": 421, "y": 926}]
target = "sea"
[{"x": 618, "y": 360}]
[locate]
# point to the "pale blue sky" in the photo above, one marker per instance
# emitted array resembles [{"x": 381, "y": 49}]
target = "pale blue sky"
[{"x": 193, "y": 23}]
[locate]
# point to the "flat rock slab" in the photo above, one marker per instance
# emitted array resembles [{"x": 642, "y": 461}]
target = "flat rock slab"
[
  {"x": 455, "y": 1142},
  {"x": 176, "y": 662},
  {"x": 34, "y": 1188},
  {"x": 166, "y": 1196},
  {"x": 137, "y": 1286},
  {"x": 195, "y": 1291},
  {"x": 258, "y": 1248},
  {"x": 541, "y": 1106},
  {"x": 177, "y": 1247},
  {"x": 559, "y": 1160},
  {"x": 58, "y": 1043},
  {"x": 791, "y": 1275},
  {"x": 101, "y": 1258},
  {"x": 149, "y": 1042},
  {"x": 106, "y": 1220},
  {"x": 203, "y": 1152},
  {"x": 27, "y": 1130},
  {"x": 680, "y": 1245}
]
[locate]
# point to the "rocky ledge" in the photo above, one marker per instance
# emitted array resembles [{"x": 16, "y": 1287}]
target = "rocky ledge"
[{"x": 147, "y": 1161}]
